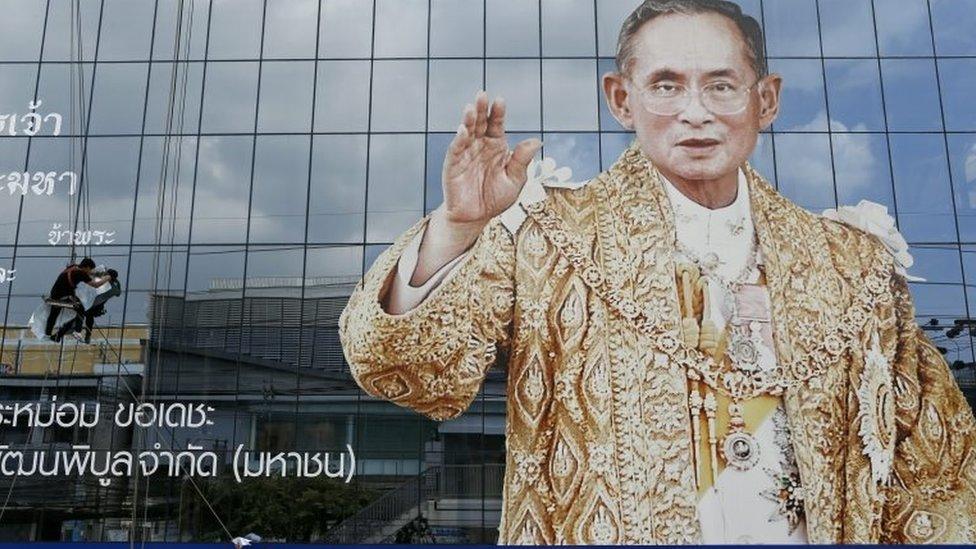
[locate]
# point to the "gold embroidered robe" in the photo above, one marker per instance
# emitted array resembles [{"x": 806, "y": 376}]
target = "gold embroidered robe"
[{"x": 598, "y": 433}]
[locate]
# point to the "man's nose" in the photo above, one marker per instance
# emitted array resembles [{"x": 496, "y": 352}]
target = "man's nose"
[{"x": 695, "y": 112}]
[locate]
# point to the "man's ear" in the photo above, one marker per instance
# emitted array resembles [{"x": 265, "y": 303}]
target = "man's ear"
[
  {"x": 615, "y": 90},
  {"x": 769, "y": 89}
]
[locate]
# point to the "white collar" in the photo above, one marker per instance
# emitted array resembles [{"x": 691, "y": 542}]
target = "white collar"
[{"x": 688, "y": 207}]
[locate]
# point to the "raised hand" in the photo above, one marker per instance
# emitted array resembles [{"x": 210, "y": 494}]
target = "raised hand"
[
  {"x": 481, "y": 176},
  {"x": 481, "y": 179}
]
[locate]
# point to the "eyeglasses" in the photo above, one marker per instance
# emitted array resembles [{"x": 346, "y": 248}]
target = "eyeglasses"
[{"x": 721, "y": 98}]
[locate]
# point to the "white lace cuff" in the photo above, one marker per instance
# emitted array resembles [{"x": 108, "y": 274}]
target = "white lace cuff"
[{"x": 404, "y": 297}]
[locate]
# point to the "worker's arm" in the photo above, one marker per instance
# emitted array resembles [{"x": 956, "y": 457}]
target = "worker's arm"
[{"x": 98, "y": 281}]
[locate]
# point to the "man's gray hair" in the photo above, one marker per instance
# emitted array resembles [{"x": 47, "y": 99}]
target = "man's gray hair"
[{"x": 649, "y": 9}]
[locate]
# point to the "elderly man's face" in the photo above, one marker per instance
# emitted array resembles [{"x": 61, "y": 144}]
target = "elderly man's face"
[{"x": 694, "y": 52}]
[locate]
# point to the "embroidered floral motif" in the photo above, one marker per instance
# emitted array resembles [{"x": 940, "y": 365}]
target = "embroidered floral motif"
[
  {"x": 876, "y": 407},
  {"x": 787, "y": 492}
]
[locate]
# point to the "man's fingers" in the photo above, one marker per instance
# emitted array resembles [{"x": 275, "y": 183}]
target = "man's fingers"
[
  {"x": 460, "y": 142},
  {"x": 481, "y": 105},
  {"x": 496, "y": 119},
  {"x": 469, "y": 118},
  {"x": 521, "y": 157}
]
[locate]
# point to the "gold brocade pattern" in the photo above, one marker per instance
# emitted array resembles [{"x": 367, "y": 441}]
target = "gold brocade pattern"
[{"x": 598, "y": 435}]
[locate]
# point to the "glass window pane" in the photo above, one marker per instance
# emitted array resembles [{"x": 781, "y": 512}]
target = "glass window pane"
[
  {"x": 803, "y": 107},
  {"x": 762, "y": 158},
  {"x": 607, "y": 121},
  {"x": 962, "y": 150},
  {"x": 280, "y": 188},
  {"x": 209, "y": 263},
  {"x": 456, "y": 29},
  {"x": 401, "y": 28},
  {"x": 752, "y": 8},
  {"x": 954, "y": 21},
  {"x": 570, "y": 94},
  {"x": 17, "y": 90},
  {"x": 41, "y": 213},
  {"x": 911, "y": 95},
  {"x": 969, "y": 272},
  {"x": 55, "y": 92},
  {"x": 612, "y": 145},
  {"x": 342, "y": 103},
  {"x": 791, "y": 28},
  {"x": 155, "y": 268},
  {"x": 803, "y": 170},
  {"x": 938, "y": 300},
  {"x": 579, "y": 152},
  {"x": 922, "y": 188},
  {"x": 286, "y": 96},
  {"x": 958, "y": 77},
  {"x": 266, "y": 262},
  {"x": 346, "y": 28},
  {"x": 437, "y": 144},
  {"x": 847, "y": 27},
  {"x": 610, "y": 16},
  {"x": 396, "y": 176},
  {"x": 230, "y": 97},
  {"x": 147, "y": 204},
  {"x": 453, "y": 84},
  {"x": 399, "y": 95},
  {"x": 111, "y": 181},
  {"x": 235, "y": 29},
  {"x": 160, "y": 77},
  {"x": 342, "y": 262},
  {"x": 120, "y": 90},
  {"x": 903, "y": 27},
  {"x": 126, "y": 30},
  {"x": 517, "y": 80},
  {"x": 370, "y": 253},
  {"x": 937, "y": 264},
  {"x": 338, "y": 197},
  {"x": 223, "y": 179},
  {"x": 861, "y": 169},
  {"x": 854, "y": 94},
  {"x": 37, "y": 268},
  {"x": 512, "y": 27},
  {"x": 567, "y": 28},
  {"x": 23, "y": 28},
  {"x": 166, "y": 20},
  {"x": 289, "y": 28},
  {"x": 57, "y": 46},
  {"x": 13, "y": 155}
]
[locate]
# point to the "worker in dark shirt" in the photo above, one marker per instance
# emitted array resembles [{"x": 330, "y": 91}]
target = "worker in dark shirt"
[
  {"x": 98, "y": 306},
  {"x": 63, "y": 290}
]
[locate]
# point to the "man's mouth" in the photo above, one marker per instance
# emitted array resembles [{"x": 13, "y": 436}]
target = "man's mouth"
[{"x": 698, "y": 143}]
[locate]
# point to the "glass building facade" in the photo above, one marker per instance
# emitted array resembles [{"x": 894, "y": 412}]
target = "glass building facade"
[{"x": 251, "y": 158}]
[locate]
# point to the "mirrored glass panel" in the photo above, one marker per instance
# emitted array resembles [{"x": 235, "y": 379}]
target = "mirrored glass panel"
[
  {"x": 337, "y": 202},
  {"x": 567, "y": 28},
  {"x": 569, "y": 94},
  {"x": 518, "y": 81},
  {"x": 512, "y": 28},
  {"x": 346, "y": 28},
  {"x": 401, "y": 28},
  {"x": 289, "y": 29},
  {"x": 922, "y": 188},
  {"x": 457, "y": 28},
  {"x": 395, "y": 195}
]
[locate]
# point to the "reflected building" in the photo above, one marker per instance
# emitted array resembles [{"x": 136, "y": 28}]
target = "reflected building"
[{"x": 253, "y": 157}]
